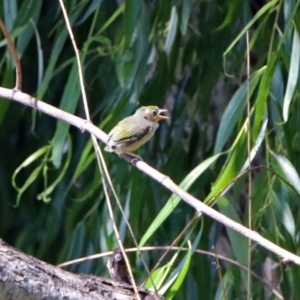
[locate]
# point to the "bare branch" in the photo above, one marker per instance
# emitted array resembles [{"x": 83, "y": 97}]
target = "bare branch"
[
  {"x": 13, "y": 51},
  {"x": 161, "y": 178}
]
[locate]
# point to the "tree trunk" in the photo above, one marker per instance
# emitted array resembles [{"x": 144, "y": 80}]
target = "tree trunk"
[{"x": 25, "y": 277}]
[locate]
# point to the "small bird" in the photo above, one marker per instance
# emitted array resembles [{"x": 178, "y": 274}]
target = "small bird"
[{"x": 132, "y": 132}]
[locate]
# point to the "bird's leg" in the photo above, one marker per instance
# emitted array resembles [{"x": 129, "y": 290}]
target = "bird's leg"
[{"x": 131, "y": 157}]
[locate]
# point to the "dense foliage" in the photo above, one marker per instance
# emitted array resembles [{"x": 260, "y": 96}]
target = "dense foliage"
[{"x": 186, "y": 56}]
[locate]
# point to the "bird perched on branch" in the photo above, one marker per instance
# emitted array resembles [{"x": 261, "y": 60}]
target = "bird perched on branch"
[{"x": 132, "y": 132}]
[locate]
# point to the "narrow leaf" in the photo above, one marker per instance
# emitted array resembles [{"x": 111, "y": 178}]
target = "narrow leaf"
[
  {"x": 174, "y": 200},
  {"x": 293, "y": 75},
  {"x": 238, "y": 243},
  {"x": 260, "y": 13},
  {"x": 236, "y": 162},
  {"x": 234, "y": 112},
  {"x": 180, "y": 273},
  {"x": 172, "y": 29},
  {"x": 68, "y": 103},
  {"x": 289, "y": 170}
]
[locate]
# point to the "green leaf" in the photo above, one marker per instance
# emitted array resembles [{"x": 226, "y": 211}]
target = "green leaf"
[
  {"x": 185, "y": 15},
  {"x": 258, "y": 15},
  {"x": 157, "y": 277},
  {"x": 132, "y": 13},
  {"x": 49, "y": 188},
  {"x": 93, "y": 6},
  {"x": 237, "y": 161},
  {"x": 180, "y": 273},
  {"x": 32, "y": 158},
  {"x": 174, "y": 199},
  {"x": 30, "y": 9},
  {"x": 86, "y": 158},
  {"x": 68, "y": 103},
  {"x": 30, "y": 179},
  {"x": 113, "y": 17},
  {"x": 183, "y": 267},
  {"x": 8, "y": 80},
  {"x": 288, "y": 219},
  {"x": 288, "y": 170},
  {"x": 10, "y": 13},
  {"x": 42, "y": 152},
  {"x": 234, "y": 111},
  {"x": 172, "y": 29},
  {"x": 55, "y": 53},
  {"x": 293, "y": 75},
  {"x": 29, "y": 12},
  {"x": 263, "y": 93},
  {"x": 238, "y": 242},
  {"x": 40, "y": 72}
]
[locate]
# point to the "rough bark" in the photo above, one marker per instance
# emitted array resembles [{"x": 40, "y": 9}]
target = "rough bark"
[{"x": 25, "y": 277}]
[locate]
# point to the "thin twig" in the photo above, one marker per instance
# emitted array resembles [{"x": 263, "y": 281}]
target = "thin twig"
[
  {"x": 100, "y": 159},
  {"x": 13, "y": 51},
  {"x": 249, "y": 293},
  {"x": 173, "y": 248},
  {"x": 96, "y": 147},
  {"x": 220, "y": 273},
  {"x": 170, "y": 248}
]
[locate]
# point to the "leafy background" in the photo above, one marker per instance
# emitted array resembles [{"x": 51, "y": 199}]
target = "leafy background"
[{"x": 187, "y": 56}]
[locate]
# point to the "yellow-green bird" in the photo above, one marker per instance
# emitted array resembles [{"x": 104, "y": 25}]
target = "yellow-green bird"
[{"x": 132, "y": 132}]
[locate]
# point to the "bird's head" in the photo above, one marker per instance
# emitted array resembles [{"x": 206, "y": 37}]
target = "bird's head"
[{"x": 152, "y": 113}]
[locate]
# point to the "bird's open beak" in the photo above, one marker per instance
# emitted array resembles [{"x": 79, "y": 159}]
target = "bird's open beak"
[{"x": 161, "y": 117}]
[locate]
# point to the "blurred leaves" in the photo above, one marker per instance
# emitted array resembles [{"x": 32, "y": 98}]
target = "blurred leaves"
[{"x": 177, "y": 55}]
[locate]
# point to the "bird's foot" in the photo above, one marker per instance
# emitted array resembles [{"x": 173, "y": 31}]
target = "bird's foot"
[{"x": 131, "y": 157}]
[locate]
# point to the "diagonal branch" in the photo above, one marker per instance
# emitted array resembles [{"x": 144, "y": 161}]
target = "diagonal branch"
[{"x": 200, "y": 207}]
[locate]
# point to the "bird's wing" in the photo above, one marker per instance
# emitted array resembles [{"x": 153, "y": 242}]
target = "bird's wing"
[{"x": 128, "y": 136}]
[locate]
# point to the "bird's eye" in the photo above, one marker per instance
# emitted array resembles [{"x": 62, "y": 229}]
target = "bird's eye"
[{"x": 154, "y": 113}]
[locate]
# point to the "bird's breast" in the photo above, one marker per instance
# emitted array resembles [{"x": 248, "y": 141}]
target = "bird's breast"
[{"x": 135, "y": 145}]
